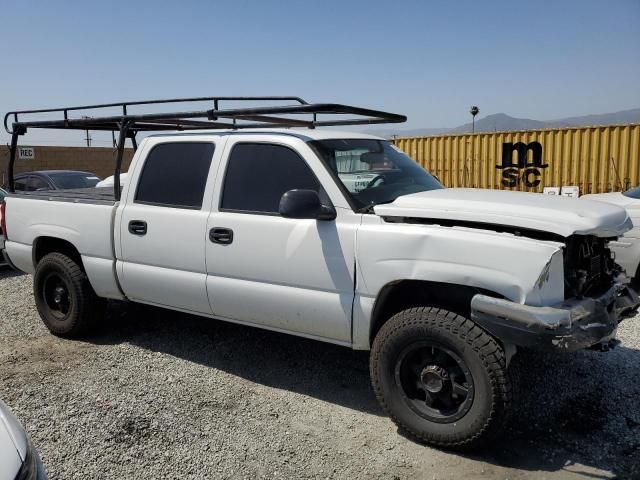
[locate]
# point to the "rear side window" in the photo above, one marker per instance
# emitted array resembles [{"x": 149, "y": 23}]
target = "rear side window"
[
  {"x": 259, "y": 174},
  {"x": 20, "y": 184},
  {"x": 175, "y": 174}
]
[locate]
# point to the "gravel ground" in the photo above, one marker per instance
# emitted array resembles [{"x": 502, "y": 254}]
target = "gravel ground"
[{"x": 164, "y": 395}]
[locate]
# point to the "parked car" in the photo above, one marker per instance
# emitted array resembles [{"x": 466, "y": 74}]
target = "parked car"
[
  {"x": 19, "y": 460},
  {"x": 626, "y": 248},
  {"x": 108, "y": 182},
  {"x": 443, "y": 285},
  {"x": 54, "y": 180}
]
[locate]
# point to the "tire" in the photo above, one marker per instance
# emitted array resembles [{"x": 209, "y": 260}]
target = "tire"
[
  {"x": 423, "y": 360},
  {"x": 64, "y": 297}
]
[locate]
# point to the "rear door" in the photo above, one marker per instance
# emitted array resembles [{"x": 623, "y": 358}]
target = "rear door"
[{"x": 164, "y": 223}]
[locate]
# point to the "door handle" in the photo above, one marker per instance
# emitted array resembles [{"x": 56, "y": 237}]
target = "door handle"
[
  {"x": 223, "y": 236},
  {"x": 138, "y": 227}
]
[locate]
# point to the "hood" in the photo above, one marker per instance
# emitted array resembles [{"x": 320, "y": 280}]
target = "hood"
[
  {"x": 563, "y": 216},
  {"x": 616, "y": 198}
]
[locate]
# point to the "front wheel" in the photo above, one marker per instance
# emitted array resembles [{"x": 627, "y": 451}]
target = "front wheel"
[
  {"x": 64, "y": 297},
  {"x": 440, "y": 377}
]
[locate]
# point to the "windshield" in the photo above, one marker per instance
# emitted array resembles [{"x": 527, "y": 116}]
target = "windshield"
[
  {"x": 71, "y": 180},
  {"x": 373, "y": 171},
  {"x": 2, "y": 194},
  {"x": 633, "y": 193}
]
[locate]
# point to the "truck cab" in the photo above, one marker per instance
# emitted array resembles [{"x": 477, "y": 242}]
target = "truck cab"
[{"x": 220, "y": 205}]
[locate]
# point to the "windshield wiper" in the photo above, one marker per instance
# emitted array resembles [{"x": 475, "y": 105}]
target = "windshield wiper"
[{"x": 369, "y": 208}]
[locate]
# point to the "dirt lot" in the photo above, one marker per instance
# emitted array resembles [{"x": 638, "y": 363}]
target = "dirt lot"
[{"x": 165, "y": 395}]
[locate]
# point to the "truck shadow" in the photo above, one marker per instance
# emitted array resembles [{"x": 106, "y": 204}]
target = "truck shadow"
[
  {"x": 8, "y": 272},
  {"x": 572, "y": 410},
  {"x": 328, "y": 372}
]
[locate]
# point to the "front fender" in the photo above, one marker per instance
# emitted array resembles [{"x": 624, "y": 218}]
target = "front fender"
[{"x": 503, "y": 263}]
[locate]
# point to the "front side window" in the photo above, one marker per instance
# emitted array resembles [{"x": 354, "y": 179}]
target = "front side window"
[
  {"x": 175, "y": 175},
  {"x": 373, "y": 171},
  {"x": 35, "y": 184},
  {"x": 259, "y": 174}
]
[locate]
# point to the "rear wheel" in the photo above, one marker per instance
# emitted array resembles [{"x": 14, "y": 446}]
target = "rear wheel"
[
  {"x": 441, "y": 378},
  {"x": 64, "y": 297}
]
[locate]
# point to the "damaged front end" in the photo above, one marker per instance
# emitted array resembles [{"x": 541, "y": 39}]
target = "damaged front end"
[
  {"x": 571, "y": 325},
  {"x": 596, "y": 300},
  {"x": 589, "y": 266}
]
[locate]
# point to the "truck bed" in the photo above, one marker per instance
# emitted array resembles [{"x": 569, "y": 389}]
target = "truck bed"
[
  {"x": 100, "y": 196},
  {"x": 84, "y": 218}
]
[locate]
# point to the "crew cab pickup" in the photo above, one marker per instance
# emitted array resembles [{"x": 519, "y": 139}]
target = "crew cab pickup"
[{"x": 269, "y": 229}]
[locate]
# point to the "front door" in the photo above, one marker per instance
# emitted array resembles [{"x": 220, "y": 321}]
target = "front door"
[{"x": 286, "y": 274}]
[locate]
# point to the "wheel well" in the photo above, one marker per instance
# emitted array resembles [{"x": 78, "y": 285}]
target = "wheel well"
[
  {"x": 45, "y": 245},
  {"x": 397, "y": 296}
]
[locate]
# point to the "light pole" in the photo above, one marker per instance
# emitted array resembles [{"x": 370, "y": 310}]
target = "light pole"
[{"x": 473, "y": 111}]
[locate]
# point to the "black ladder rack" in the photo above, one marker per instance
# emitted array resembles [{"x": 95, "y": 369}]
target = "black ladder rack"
[{"x": 128, "y": 125}]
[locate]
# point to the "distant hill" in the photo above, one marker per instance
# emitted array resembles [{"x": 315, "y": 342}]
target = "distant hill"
[
  {"x": 623, "y": 116},
  {"x": 500, "y": 122}
]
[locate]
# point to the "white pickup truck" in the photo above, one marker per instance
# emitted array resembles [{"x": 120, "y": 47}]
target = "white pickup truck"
[{"x": 258, "y": 227}]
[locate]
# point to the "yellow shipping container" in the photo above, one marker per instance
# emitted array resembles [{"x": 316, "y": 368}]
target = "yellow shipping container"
[{"x": 595, "y": 159}]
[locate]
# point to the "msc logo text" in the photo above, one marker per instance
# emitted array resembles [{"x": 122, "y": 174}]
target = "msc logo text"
[{"x": 522, "y": 171}]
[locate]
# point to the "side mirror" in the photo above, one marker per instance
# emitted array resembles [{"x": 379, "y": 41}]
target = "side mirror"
[{"x": 305, "y": 204}]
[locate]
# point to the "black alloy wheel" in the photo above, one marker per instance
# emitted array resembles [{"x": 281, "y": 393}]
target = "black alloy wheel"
[{"x": 435, "y": 382}]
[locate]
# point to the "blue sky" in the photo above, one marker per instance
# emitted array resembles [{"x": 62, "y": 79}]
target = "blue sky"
[{"x": 430, "y": 60}]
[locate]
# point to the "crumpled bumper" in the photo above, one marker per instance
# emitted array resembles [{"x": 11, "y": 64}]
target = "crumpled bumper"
[{"x": 571, "y": 325}]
